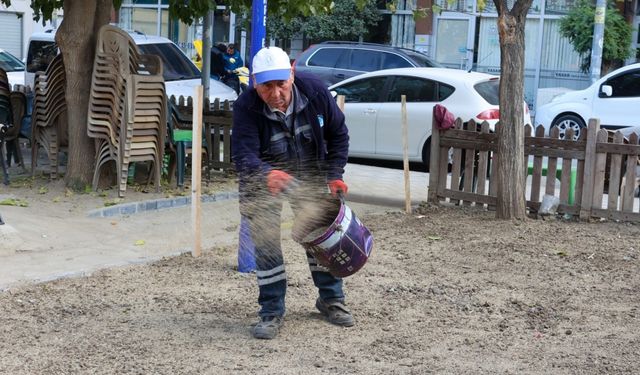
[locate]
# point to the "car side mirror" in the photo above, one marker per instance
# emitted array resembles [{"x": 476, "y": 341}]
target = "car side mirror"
[{"x": 606, "y": 91}]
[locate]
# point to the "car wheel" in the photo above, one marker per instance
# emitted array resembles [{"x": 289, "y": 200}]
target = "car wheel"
[
  {"x": 426, "y": 155},
  {"x": 566, "y": 122}
]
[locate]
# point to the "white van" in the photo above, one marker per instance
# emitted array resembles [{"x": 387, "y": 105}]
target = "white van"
[{"x": 180, "y": 73}]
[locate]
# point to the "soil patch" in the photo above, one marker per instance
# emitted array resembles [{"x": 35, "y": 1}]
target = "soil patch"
[{"x": 447, "y": 290}]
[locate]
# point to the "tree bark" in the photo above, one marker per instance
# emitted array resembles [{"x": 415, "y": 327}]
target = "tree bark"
[
  {"x": 76, "y": 39},
  {"x": 510, "y": 168}
]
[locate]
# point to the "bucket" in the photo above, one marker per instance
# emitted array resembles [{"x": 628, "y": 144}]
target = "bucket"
[{"x": 337, "y": 239}]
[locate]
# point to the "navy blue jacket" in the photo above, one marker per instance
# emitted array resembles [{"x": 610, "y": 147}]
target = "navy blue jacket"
[{"x": 327, "y": 139}]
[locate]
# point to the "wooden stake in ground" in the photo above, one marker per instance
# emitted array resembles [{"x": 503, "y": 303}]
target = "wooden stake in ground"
[
  {"x": 340, "y": 101},
  {"x": 196, "y": 169},
  {"x": 405, "y": 156}
]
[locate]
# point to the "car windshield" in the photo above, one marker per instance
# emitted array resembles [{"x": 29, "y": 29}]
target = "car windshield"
[
  {"x": 422, "y": 60},
  {"x": 176, "y": 66},
  {"x": 489, "y": 90},
  {"x": 41, "y": 53},
  {"x": 10, "y": 63}
]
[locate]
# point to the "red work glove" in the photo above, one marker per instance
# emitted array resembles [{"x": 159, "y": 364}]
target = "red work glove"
[
  {"x": 336, "y": 186},
  {"x": 277, "y": 181}
]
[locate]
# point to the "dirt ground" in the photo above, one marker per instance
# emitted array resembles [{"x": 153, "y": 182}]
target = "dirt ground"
[{"x": 447, "y": 290}]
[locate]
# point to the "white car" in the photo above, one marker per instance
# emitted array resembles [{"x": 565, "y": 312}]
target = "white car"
[
  {"x": 373, "y": 110},
  {"x": 180, "y": 73},
  {"x": 13, "y": 67},
  {"x": 614, "y": 99}
]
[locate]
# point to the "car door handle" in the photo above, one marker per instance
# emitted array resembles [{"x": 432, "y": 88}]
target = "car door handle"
[
  {"x": 370, "y": 110},
  {"x": 339, "y": 75}
]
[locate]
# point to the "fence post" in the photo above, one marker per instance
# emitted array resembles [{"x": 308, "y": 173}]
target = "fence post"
[
  {"x": 434, "y": 163},
  {"x": 589, "y": 169}
]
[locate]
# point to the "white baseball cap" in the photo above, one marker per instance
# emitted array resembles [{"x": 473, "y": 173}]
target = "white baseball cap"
[{"x": 271, "y": 64}]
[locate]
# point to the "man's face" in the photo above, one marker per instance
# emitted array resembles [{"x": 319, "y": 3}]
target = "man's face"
[{"x": 277, "y": 94}]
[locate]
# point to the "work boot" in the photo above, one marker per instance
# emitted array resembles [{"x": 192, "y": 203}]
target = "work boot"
[
  {"x": 336, "y": 312},
  {"x": 268, "y": 327}
]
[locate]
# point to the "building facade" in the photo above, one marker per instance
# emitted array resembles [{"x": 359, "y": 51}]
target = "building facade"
[
  {"x": 460, "y": 36},
  {"x": 17, "y": 25},
  {"x": 466, "y": 37}
]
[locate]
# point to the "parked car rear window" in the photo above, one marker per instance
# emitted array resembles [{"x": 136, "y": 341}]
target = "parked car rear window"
[
  {"x": 444, "y": 91},
  {"x": 362, "y": 91},
  {"x": 422, "y": 60},
  {"x": 416, "y": 90},
  {"x": 489, "y": 90},
  {"x": 391, "y": 61},
  {"x": 365, "y": 60},
  {"x": 327, "y": 57},
  {"x": 176, "y": 66}
]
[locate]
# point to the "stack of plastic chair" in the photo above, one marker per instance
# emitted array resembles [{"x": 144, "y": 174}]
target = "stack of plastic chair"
[
  {"x": 18, "y": 109},
  {"x": 127, "y": 107},
  {"x": 49, "y": 127},
  {"x": 5, "y": 103},
  {"x": 6, "y": 119},
  {"x": 146, "y": 119}
]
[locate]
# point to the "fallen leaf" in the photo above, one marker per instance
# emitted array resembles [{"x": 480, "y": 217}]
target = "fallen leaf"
[
  {"x": 139, "y": 243},
  {"x": 14, "y": 202}
]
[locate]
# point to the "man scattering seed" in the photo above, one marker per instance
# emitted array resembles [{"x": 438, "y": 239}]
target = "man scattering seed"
[{"x": 289, "y": 142}]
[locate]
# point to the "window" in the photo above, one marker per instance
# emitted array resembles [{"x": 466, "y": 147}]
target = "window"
[
  {"x": 626, "y": 84},
  {"x": 444, "y": 91},
  {"x": 489, "y": 90},
  {"x": 326, "y": 57},
  {"x": 362, "y": 91},
  {"x": 391, "y": 60},
  {"x": 365, "y": 60},
  {"x": 422, "y": 60},
  {"x": 176, "y": 66},
  {"x": 416, "y": 90},
  {"x": 40, "y": 54},
  {"x": 9, "y": 63}
]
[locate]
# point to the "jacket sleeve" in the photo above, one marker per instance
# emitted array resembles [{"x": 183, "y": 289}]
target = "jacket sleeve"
[
  {"x": 336, "y": 136},
  {"x": 245, "y": 144}
]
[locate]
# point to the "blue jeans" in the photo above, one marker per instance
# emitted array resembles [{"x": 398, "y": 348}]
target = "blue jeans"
[{"x": 264, "y": 215}]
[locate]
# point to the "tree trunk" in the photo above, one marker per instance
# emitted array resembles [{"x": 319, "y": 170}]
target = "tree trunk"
[
  {"x": 76, "y": 38},
  {"x": 510, "y": 166}
]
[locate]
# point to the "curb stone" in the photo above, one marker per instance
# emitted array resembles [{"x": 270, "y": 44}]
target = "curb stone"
[{"x": 157, "y": 204}]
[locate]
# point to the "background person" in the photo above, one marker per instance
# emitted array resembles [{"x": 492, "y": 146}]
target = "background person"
[
  {"x": 217, "y": 61},
  {"x": 287, "y": 129},
  {"x": 232, "y": 61}
]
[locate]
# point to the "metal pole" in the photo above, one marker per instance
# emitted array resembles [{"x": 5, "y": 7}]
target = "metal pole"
[
  {"x": 258, "y": 26},
  {"x": 246, "y": 247},
  {"x": 598, "y": 39},
  {"x": 206, "y": 54}
]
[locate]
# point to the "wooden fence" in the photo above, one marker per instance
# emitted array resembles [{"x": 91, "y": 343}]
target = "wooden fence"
[
  {"x": 598, "y": 173},
  {"x": 217, "y": 119}
]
